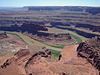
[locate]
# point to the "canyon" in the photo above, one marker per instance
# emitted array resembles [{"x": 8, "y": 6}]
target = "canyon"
[
  {"x": 50, "y": 40},
  {"x": 73, "y": 60}
]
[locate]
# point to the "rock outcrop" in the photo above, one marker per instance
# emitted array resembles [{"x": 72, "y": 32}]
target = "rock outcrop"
[
  {"x": 32, "y": 27},
  {"x": 3, "y": 35},
  {"x": 89, "y": 26},
  {"x": 54, "y": 39},
  {"x": 17, "y": 56},
  {"x": 23, "y": 59},
  {"x": 54, "y": 24},
  {"x": 91, "y": 51},
  {"x": 94, "y": 10},
  {"x": 40, "y": 63},
  {"x": 29, "y": 27}
]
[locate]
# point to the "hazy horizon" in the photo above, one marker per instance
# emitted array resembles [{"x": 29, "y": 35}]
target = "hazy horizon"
[
  {"x": 22, "y": 3},
  {"x": 45, "y": 6}
]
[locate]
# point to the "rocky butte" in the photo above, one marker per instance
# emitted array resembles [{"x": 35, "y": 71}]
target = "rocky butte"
[{"x": 90, "y": 50}]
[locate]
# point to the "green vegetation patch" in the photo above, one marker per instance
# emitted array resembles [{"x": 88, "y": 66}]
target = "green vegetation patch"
[
  {"x": 55, "y": 53},
  {"x": 61, "y": 47},
  {"x": 78, "y": 40},
  {"x": 32, "y": 41},
  {"x": 15, "y": 35}
]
